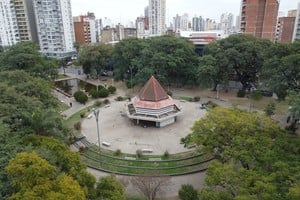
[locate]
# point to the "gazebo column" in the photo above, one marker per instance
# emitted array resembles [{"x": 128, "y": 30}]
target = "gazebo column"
[{"x": 137, "y": 121}]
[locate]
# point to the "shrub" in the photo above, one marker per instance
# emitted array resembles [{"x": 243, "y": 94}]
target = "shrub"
[
  {"x": 139, "y": 153},
  {"x": 94, "y": 93},
  {"x": 80, "y": 97},
  {"x": 119, "y": 98},
  {"x": 77, "y": 126},
  {"x": 106, "y": 101},
  {"x": 196, "y": 98},
  {"x": 111, "y": 89},
  {"x": 170, "y": 93},
  {"x": 118, "y": 152},
  {"x": 103, "y": 93},
  {"x": 82, "y": 115},
  {"x": 211, "y": 104},
  {"x": 166, "y": 154},
  {"x": 270, "y": 109},
  {"x": 98, "y": 103},
  {"x": 187, "y": 192},
  {"x": 241, "y": 93},
  {"x": 81, "y": 149}
]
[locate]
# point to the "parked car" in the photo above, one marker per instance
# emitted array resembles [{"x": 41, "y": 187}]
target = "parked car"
[{"x": 266, "y": 93}]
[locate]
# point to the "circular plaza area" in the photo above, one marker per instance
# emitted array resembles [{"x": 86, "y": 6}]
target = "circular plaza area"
[{"x": 117, "y": 131}]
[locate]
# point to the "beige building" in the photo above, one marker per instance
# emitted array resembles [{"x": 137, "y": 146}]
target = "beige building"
[{"x": 157, "y": 17}]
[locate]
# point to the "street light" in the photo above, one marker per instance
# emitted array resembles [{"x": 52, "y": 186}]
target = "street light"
[
  {"x": 96, "y": 113},
  {"x": 130, "y": 76}
]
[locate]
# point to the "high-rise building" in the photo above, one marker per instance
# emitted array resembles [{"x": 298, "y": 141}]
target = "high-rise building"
[
  {"x": 157, "y": 17},
  {"x": 237, "y": 23},
  {"x": 198, "y": 24},
  {"x": 227, "y": 23},
  {"x": 296, "y": 34},
  {"x": 54, "y": 27},
  {"x": 285, "y": 29},
  {"x": 15, "y": 22},
  {"x": 259, "y": 18},
  {"x": 210, "y": 25},
  {"x": 292, "y": 13},
  {"x": 8, "y": 32},
  {"x": 85, "y": 29}
]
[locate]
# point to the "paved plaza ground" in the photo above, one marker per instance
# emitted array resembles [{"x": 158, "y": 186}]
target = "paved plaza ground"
[{"x": 116, "y": 129}]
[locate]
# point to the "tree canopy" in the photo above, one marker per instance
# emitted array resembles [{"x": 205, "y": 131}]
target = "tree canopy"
[
  {"x": 255, "y": 159},
  {"x": 172, "y": 60}
]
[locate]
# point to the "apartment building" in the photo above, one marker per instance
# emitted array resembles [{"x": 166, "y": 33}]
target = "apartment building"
[{"x": 259, "y": 18}]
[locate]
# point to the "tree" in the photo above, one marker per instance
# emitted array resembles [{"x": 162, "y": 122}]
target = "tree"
[
  {"x": 25, "y": 56},
  {"x": 149, "y": 184},
  {"x": 33, "y": 177},
  {"x": 187, "y": 192},
  {"x": 172, "y": 60},
  {"x": 94, "y": 58},
  {"x": 213, "y": 134},
  {"x": 240, "y": 57},
  {"x": 109, "y": 188},
  {"x": 281, "y": 68},
  {"x": 81, "y": 97}
]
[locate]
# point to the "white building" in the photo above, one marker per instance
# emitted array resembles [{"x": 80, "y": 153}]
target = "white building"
[
  {"x": 54, "y": 27},
  {"x": 296, "y": 34},
  {"x": 227, "y": 23},
  {"x": 157, "y": 17},
  {"x": 8, "y": 29}
]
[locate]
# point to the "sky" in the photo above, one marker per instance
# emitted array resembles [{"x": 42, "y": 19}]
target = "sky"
[{"x": 124, "y": 11}]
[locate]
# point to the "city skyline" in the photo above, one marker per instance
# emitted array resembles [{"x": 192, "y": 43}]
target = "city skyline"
[{"x": 125, "y": 11}]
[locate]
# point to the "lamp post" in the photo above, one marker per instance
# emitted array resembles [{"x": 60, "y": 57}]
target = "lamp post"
[
  {"x": 130, "y": 76},
  {"x": 96, "y": 113}
]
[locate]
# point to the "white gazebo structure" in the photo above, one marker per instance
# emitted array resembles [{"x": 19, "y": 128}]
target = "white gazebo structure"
[{"x": 153, "y": 105}]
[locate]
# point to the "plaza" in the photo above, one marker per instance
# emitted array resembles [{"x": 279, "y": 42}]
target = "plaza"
[{"x": 121, "y": 133}]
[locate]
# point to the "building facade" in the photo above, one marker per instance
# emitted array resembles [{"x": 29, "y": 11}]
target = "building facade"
[
  {"x": 54, "y": 27},
  {"x": 296, "y": 34},
  {"x": 285, "y": 29},
  {"x": 198, "y": 24},
  {"x": 226, "y": 23},
  {"x": 157, "y": 17},
  {"x": 85, "y": 29},
  {"x": 259, "y": 18}
]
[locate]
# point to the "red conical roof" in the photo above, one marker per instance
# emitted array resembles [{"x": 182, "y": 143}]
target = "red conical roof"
[{"x": 153, "y": 91}]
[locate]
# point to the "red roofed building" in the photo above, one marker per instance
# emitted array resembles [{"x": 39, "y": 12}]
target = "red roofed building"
[{"x": 154, "y": 105}]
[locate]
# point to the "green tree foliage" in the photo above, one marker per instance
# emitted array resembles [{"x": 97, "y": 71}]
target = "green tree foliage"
[
  {"x": 34, "y": 178},
  {"x": 81, "y": 97},
  {"x": 109, "y": 188},
  {"x": 238, "y": 57},
  {"x": 94, "y": 58},
  {"x": 281, "y": 70},
  {"x": 170, "y": 59},
  {"x": 255, "y": 158},
  {"x": 25, "y": 56},
  {"x": 112, "y": 89},
  {"x": 66, "y": 161},
  {"x": 188, "y": 192}
]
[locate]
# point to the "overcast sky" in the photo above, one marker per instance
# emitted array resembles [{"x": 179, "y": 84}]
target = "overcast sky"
[{"x": 128, "y": 10}]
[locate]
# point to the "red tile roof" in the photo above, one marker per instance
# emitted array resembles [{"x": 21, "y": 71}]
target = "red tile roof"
[{"x": 153, "y": 91}]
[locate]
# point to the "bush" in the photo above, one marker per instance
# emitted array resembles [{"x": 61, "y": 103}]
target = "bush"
[
  {"x": 82, "y": 115},
  {"x": 103, "y": 93},
  {"x": 119, "y": 98},
  {"x": 98, "y": 103},
  {"x": 187, "y": 192},
  {"x": 241, "y": 93},
  {"x": 211, "y": 104},
  {"x": 118, "y": 152},
  {"x": 94, "y": 93},
  {"x": 196, "y": 98},
  {"x": 166, "y": 154},
  {"x": 81, "y": 149},
  {"x": 139, "y": 153},
  {"x": 170, "y": 93},
  {"x": 80, "y": 97},
  {"x": 270, "y": 109},
  {"x": 111, "y": 89},
  {"x": 106, "y": 101},
  {"x": 77, "y": 126}
]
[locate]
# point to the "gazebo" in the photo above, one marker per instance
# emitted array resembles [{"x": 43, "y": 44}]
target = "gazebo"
[{"x": 153, "y": 106}]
